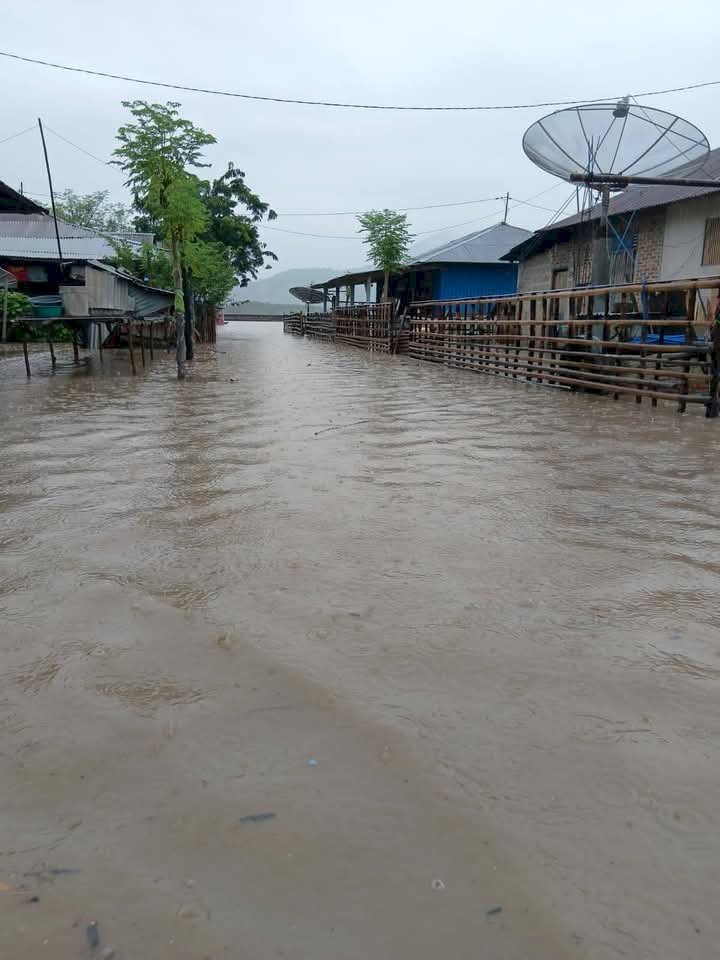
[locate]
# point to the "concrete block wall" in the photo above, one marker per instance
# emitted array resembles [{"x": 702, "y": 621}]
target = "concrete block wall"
[
  {"x": 535, "y": 273},
  {"x": 649, "y": 227}
]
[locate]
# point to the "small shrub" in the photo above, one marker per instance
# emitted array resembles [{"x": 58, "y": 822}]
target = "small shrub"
[{"x": 18, "y": 305}]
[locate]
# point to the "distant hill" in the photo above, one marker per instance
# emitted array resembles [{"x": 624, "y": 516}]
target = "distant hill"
[
  {"x": 274, "y": 287},
  {"x": 262, "y": 308}
]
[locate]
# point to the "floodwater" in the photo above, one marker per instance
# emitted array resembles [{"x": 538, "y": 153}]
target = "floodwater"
[{"x": 460, "y": 637}]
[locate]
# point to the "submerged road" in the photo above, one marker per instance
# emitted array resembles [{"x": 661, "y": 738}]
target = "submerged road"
[{"x": 327, "y": 655}]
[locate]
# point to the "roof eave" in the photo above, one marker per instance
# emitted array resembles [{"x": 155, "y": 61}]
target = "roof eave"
[{"x": 346, "y": 278}]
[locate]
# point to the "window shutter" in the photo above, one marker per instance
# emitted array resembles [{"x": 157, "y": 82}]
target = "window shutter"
[{"x": 711, "y": 247}]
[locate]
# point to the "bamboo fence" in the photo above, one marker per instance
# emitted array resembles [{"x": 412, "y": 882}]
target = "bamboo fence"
[{"x": 650, "y": 341}]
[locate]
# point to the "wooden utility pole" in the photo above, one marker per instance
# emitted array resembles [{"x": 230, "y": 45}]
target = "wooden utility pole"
[{"x": 52, "y": 192}]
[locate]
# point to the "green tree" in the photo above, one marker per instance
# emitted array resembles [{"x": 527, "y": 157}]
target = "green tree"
[
  {"x": 149, "y": 263},
  {"x": 388, "y": 237},
  {"x": 237, "y": 229},
  {"x": 93, "y": 210},
  {"x": 155, "y": 151},
  {"x": 212, "y": 270}
]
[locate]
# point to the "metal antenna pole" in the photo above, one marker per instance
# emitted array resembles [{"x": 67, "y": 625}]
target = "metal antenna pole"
[
  {"x": 52, "y": 194},
  {"x": 507, "y": 201}
]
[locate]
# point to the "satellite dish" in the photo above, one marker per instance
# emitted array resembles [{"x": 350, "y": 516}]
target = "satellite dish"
[
  {"x": 623, "y": 139},
  {"x": 307, "y": 294}
]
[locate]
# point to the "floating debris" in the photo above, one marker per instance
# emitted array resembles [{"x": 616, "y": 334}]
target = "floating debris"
[
  {"x": 193, "y": 911},
  {"x": 257, "y": 817},
  {"x": 92, "y": 934}
]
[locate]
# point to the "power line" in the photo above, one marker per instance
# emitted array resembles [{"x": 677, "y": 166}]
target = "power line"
[
  {"x": 560, "y": 210},
  {"x": 339, "y": 213},
  {"x": 429, "y": 206},
  {"x": 496, "y": 213},
  {"x": 464, "y": 223},
  {"x": 351, "y": 106},
  {"x": 420, "y": 233},
  {"x": 301, "y": 233},
  {"x": 19, "y": 133},
  {"x": 423, "y": 233},
  {"x": 77, "y": 146},
  {"x": 535, "y": 206}
]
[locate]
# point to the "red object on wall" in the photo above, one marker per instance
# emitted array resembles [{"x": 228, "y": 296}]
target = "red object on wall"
[{"x": 20, "y": 273}]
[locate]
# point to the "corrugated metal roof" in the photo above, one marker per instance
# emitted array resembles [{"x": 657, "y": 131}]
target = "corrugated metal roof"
[
  {"x": 11, "y": 200},
  {"x": 352, "y": 276},
  {"x": 634, "y": 197},
  {"x": 641, "y": 197},
  {"x": 32, "y": 236},
  {"x": 126, "y": 275},
  {"x": 482, "y": 246},
  {"x": 38, "y": 226},
  {"x": 73, "y": 248}
]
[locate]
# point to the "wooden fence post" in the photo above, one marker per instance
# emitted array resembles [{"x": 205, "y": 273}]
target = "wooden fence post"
[
  {"x": 130, "y": 347},
  {"x": 691, "y": 302},
  {"x": 27, "y": 359},
  {"x": 713, "y": 406}
]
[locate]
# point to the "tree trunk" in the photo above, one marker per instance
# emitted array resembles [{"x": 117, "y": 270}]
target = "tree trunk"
[
  {"x": 180, "y": 349},
  {"x": 189, "y": 311}
]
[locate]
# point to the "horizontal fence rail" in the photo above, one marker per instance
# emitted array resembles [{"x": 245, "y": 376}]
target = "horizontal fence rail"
[
  {"x": 651, "y": 341},
  {"x": 654, "y": 341},
  {"x": 366, "y": 325}
]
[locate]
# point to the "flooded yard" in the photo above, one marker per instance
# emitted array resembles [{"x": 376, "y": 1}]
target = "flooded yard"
[{"x": 323, "y": 654}]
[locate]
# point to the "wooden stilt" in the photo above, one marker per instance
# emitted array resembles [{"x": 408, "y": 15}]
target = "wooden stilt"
[
  {"x": 76, "y": 350},
  {"x": 130, "y": 347},
  {"x": 27, "y": 358},
  {"x": 53, "y": 360},
  {"x": 142, "y": 343},
  {"x": 152, "y": 341},
  {"x": 100, "y": 340}
]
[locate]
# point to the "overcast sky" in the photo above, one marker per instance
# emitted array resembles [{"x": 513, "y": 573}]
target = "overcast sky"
[{"x": 314, "y": 159}]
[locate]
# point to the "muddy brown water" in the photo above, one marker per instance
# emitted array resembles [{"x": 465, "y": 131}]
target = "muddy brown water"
[{"x": 460, "y": 636}]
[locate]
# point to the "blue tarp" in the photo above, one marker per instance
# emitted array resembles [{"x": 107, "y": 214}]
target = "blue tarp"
[{"x": 674, "y": 339}]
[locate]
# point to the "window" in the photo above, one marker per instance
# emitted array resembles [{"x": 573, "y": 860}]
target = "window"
[
  {"x": 583, "y": 263},
  {"x": 711, "y": 247}
]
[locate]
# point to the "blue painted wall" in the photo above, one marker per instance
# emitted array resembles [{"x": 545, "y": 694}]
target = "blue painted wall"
[{"x": 458, "y": 280}]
